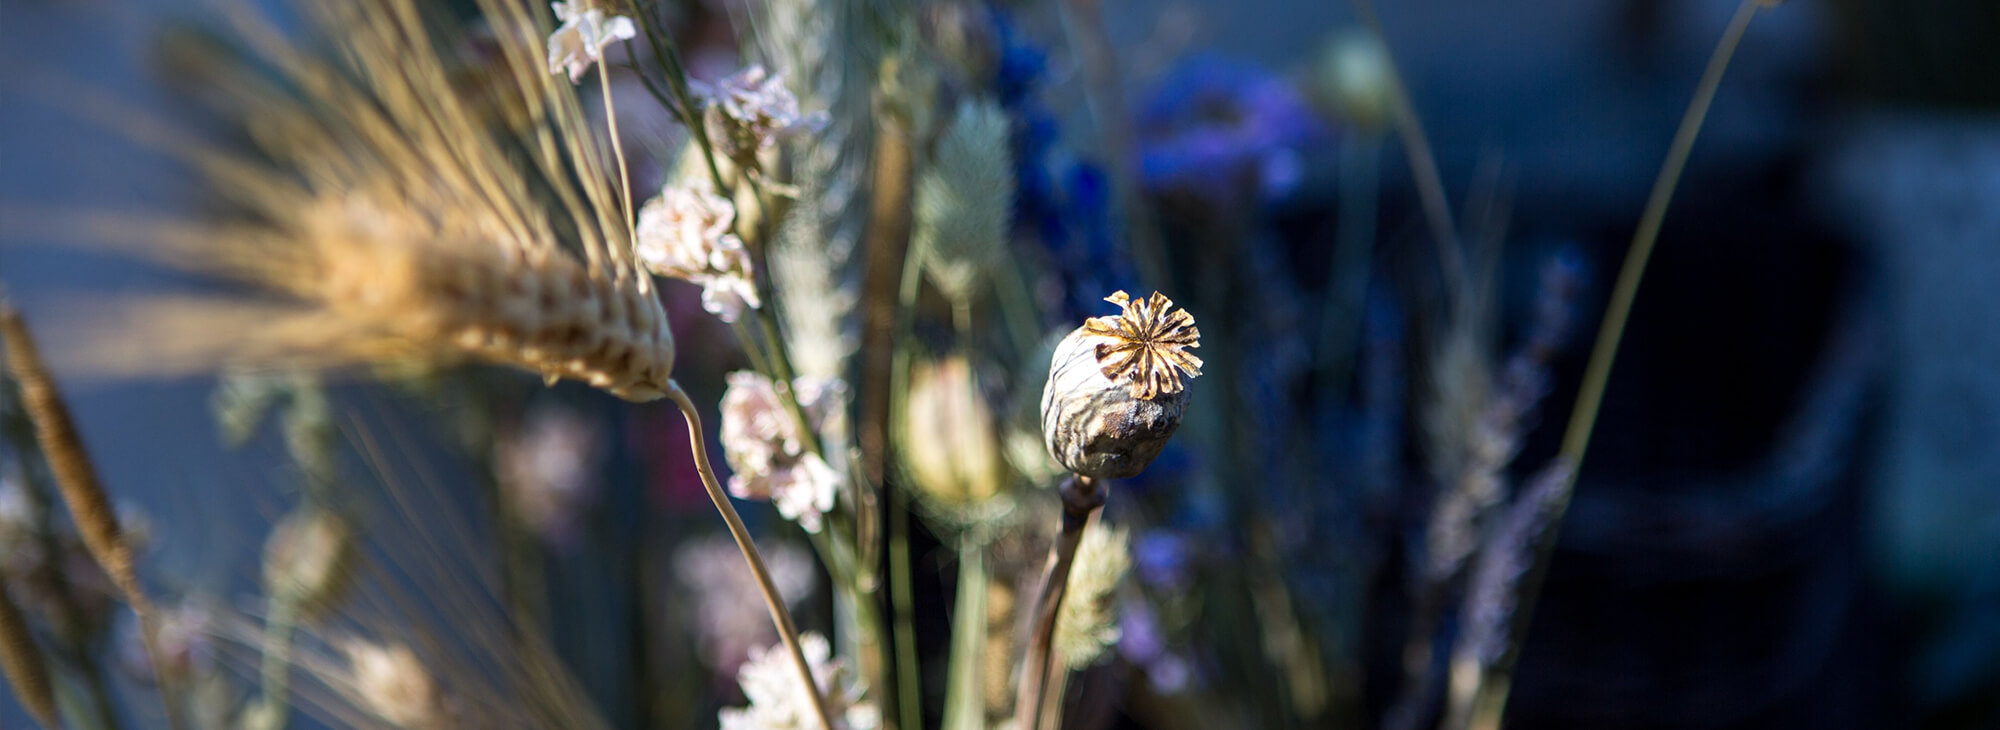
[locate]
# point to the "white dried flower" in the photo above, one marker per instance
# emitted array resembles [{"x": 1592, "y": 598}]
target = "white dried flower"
[
  {"x": 1115, "y": 392},
  {"x": 1088, "y": 621},
  {"x": 750, "y": 110},
  {"x": 768, "y": 454},
  {"x": 391, "y": 682},
  {"x": 581, "y": 39},
  {"x": 307, "y": 555},
  {"x": 548, "y": 471},
  {"x": 684, "y": 233},
  {"x": 771, "y": 683},
  {"x": 712, "y": 570}
]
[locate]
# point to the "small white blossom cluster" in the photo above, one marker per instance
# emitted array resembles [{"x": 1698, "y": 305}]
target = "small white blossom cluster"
[
  {"x": 581, "y": 39},
  {"x": 771, "y": 683},
  {"x": 750, "y": 110},
  {"x": 684, "y": 233},
  {"x": 768, "y": 454}
]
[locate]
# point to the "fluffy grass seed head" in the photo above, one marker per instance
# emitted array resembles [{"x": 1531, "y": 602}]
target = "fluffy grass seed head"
[
  {"x": 1115, "y": 392},
  {"x": 964, "y": 199},
  {"x": 1088, "y": 622}
]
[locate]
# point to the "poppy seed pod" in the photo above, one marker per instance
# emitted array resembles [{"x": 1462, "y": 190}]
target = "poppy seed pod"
[{"x": 1115, "y": 392}]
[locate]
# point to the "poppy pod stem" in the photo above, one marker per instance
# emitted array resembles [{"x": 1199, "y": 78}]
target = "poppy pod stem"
[{"x": 1082, "y": 498}]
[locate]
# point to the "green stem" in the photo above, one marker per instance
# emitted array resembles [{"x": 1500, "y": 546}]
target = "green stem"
[
  {"x": 901, "y": 603},
  {"x": 276, "y": 671},
  {"x": 908, "y": 684},
  {"x": 1423, "y": 163},
  {"x": 1490, "y": 699},
  {"x": 1354, "y": 240},
  {"x": 964, "y": 708}
]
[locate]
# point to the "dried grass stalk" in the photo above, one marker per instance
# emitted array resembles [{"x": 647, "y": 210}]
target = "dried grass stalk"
[
  {"x": 22, "y": 661},
  {"x": 89, "y": 507}
]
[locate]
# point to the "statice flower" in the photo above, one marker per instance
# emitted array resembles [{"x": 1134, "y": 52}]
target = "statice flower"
[
  {"x": 684, "y": 233},
  {"x": 1215, "y": 125},
  {"x": 768, "y": 454},
  {"x": 750, "y": 110},
  {"x": 581, "y": 39},
  {"x": 771, "y": 683},
  {"x": 712, "y": 569}
]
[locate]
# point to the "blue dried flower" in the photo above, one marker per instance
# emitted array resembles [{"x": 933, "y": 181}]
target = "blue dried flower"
[{"x": 1214, "y": 125}]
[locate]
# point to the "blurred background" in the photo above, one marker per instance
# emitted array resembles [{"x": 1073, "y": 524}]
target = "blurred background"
[{"x": 1790, "y": 513}]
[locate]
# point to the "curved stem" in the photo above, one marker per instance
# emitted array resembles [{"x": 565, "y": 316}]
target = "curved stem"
[
  {"x": 782, "y": 618},
  {"x": 1083, "y": 498},
  {"x": 1491, "y": 699}
]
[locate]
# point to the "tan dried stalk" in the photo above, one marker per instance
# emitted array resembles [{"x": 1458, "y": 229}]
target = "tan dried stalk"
[
  {"x": 76, "y": 478},
  {"x": 23, "y": 664},
  {"x": 1082, "y": 499},
  {"x": 773, "y": 599}
]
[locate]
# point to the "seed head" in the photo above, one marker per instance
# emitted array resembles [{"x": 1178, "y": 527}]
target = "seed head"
[
  {"x": 1147, "y": 344},
  {"x": 1115, "y": 392}
]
